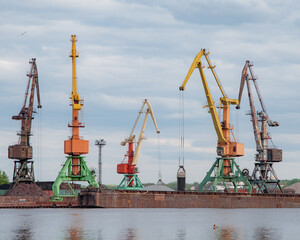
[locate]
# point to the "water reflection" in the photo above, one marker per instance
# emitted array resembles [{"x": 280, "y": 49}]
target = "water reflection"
[
  {"x": 181, "y": 234},
  {"x": 130, "y": 234},
  {"x": 263, "y": 233},
  {"x": 23, "y": 232},
  {"x": 23, "y": 228},
  {"x": 75, "y": 231},
  {"x": 226, "y": 233}
]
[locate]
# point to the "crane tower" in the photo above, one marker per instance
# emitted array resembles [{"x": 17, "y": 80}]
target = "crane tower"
[
  {"x": 75, "y": 168},
  {"x": 263, "y": 176},
  {"x": 23, "y": 166}
]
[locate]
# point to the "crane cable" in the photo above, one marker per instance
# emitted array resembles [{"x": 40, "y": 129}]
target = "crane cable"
[
  {"x": 159, "y": 160},
  {"x": 39, "y": 141},
  {"x": 181, "y": 128},
  {"x": 237, "y": 124}
]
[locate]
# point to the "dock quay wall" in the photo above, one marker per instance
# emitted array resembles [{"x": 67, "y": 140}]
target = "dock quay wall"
[
  {"x": 154, "y": 199},
  {"x": 36, "y": 202}
]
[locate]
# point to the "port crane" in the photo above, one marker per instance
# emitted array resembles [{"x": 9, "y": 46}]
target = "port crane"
[
  {"x": 75, "y": 167},
  {"x": 23, "y": 167},
  {"x": 131, "y": 180},
  {"x": 263, "y": 176},
  {"x": 224, "y": 169}
]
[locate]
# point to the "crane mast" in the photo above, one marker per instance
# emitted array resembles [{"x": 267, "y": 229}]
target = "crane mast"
[
  {"x": 263, "y": 176},
  {"x": 75, "y": 168},
  {"x": 129, "y": 169},
  {"x": 23, "y": 168},
  {"x": 227, "y": 148}
]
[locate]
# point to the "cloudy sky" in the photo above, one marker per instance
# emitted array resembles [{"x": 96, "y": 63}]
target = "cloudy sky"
[{"x": 131, "y": 50}]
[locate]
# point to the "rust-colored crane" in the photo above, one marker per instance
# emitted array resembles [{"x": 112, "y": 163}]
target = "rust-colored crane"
[
  {"x": 225, "y": 168},
  {"x": 23, "y": 169},
  {"x": 129, "y": 169},
  {"x": 263, "y": 176}
]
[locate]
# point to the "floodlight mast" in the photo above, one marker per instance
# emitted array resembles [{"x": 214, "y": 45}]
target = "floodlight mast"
[{"x": 100, "y": 143}]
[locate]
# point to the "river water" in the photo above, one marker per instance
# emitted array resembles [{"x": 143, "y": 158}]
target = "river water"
[{"x": 152, "y": 224}]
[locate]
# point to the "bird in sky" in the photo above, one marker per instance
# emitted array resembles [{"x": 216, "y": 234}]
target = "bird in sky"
[{"x": 23, "y": 33}]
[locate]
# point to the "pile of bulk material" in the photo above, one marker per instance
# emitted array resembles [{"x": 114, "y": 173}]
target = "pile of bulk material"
[{"x": 26, "y": 189}]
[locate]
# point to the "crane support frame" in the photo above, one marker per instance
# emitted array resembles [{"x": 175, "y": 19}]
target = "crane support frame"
[
  {"x": 130, "y": 182},
  {"x": 216, "y": 176},
  {"x": 66, "y": 175}
]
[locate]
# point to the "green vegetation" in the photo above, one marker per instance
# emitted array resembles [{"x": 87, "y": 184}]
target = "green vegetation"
[
  {"x": 286, "y": 183},
  {"x": 188, "y": 186},
  {"x": 173, "y": 185},
  {"x": 3, "y": 178}
]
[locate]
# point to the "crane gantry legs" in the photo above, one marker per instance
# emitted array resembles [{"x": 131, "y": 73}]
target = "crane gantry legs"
[{"x": 217, "y": 176}]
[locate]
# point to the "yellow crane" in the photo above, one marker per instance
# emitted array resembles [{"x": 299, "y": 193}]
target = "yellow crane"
[
  {"x": 129, "y": 169},
  {"x": 75, "y": 167},
  {"x": 225, "y": 167}
]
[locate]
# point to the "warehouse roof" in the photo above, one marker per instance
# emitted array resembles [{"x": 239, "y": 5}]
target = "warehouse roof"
[{"x": 157, "y": 187}]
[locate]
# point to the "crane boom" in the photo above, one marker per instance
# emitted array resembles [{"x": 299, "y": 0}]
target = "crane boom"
[
  {"x": 75, "y": 97},
  {"x": 25, "y": 114},
  {"x": 75, "y": 146},
  {"x": 212, "y": 109},
  {"x": 141, "y": 137},
  {"x": 261, "y": 135},
  {"x": 245, "y": 78},
  {"x": 222, "y": 128}
]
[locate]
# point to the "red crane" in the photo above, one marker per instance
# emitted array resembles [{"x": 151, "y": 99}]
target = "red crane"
[{"x": 129, "y": 169}]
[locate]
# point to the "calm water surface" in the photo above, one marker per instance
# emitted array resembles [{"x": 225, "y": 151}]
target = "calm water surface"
[{"x": 152, "y": 224}]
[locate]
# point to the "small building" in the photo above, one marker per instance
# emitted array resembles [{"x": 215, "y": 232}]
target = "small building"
[{"x": 157, "y": 187}]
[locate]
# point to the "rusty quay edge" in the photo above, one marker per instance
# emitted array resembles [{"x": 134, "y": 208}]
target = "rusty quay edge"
[{"x": 157, "y": 199}]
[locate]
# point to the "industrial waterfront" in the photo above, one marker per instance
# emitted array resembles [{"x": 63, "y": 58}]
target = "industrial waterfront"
[{"x": 144, "y": 224}]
